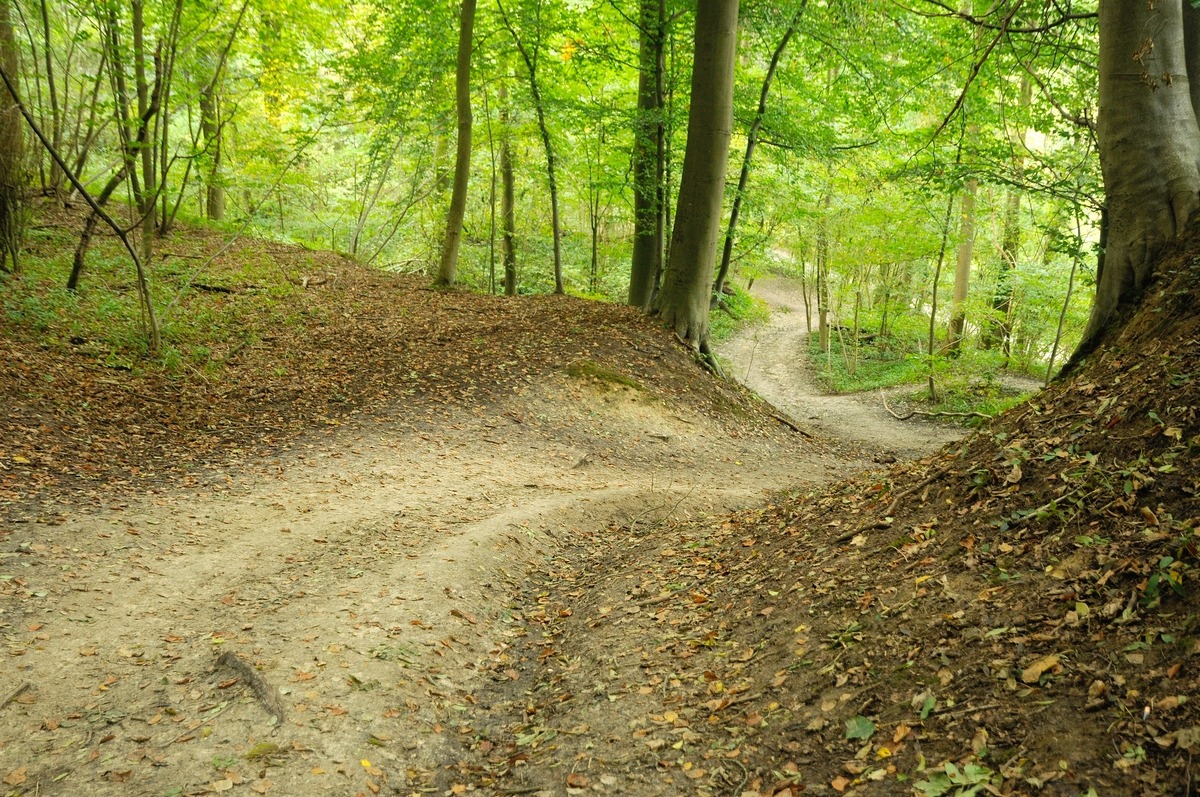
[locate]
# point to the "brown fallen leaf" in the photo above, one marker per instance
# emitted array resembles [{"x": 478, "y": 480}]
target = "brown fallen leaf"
[
  {"x": 1033, "y": 673},
  {"x": 840, "y": 783},
  {"x": 577, "y": 781},
  {"x": 17, "y": 776}
]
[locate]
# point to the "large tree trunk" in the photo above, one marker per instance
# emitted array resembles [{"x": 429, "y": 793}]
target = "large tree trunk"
[
  {"x": 1149, "y": 148},
  {"x": 751, "y": 144},
  {"x": 683, "y": 303},
  {"x": 12, "y": 151},
  {"x": 462, "y": 162},
  {"x": 649, "y": 157}
]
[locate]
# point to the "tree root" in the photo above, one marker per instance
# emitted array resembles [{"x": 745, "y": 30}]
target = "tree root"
[
  {"x": 20, "y": 690},
  {"x": 942, "y": 414},
  {"x": 891, "y": 510},
  {"x": 267, "y": 695},
  {"x": 789, "y": 423}
]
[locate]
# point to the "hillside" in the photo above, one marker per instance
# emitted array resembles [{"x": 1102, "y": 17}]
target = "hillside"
[{"x": 394, "y": 540}]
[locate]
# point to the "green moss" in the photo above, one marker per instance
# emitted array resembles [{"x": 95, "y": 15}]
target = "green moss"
[{"x": 587, "y": 368}]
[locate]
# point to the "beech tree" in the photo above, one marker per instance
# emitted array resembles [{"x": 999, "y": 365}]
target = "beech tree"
[
  {"x": 683, "y": 303},
  {"x": 462, "y": 162},
  {"x": 1149, "y": 145}
]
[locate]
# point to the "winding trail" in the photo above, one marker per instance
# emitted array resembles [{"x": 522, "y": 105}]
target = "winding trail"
[
  {"x": 772, "y": 360},
  {"x": 369, "y": 576}
]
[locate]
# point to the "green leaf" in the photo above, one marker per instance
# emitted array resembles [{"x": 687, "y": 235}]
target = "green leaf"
[{"x": 859, "y": 727}]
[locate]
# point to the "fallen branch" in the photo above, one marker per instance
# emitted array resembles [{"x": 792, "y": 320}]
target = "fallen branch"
[
  {"x": 267, "y": 695},
  {"x": 790, "y": 424},
  {"x": 883, "y": 523},
  {"x": 940, "y": 414}
]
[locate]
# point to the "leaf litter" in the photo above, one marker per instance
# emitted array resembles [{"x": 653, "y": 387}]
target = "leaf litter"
[{"x": 1009, "y": 615}]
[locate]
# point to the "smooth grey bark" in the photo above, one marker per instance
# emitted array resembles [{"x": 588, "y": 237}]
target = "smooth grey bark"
[
  {"x": 12, "y": 152},
  {"x": 448, "y": 268},
  {"x": 751, "y": 144},
  {"x": 683, "y": 302},
  {"x": 649, "y": 156},
  {"x": 1149, "y": 149}
]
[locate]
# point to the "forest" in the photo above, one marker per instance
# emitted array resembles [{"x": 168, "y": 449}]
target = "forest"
[
  {"x": 929, "y": 175},
  {"x": 458, "y": 398}
]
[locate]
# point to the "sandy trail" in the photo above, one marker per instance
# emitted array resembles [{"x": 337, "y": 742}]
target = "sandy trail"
[
  {"x": 367, "y": 574},
  {"x": 773, "y": 361}
]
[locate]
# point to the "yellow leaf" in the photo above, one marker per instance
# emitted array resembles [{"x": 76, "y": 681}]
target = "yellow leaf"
[
  {"x": 20, "y": 460},
  {"x": 365, "y": 764}
]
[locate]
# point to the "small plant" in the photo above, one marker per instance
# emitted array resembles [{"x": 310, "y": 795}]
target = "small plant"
[{"x": 951, "y": 781}]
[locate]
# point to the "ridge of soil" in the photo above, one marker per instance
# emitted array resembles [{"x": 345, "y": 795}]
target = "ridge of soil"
[
  {"x": 1012, "y": 615},
  {"x": 563, "y": 560}
]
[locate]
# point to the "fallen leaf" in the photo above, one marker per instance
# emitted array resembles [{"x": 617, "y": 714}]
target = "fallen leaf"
[
  {"x": 577, "y": 781},
  {"x": 262, "y": 786},
  {"x": 840, "y": 783},
  {"x": 17, "y": 776},
  {"x": 1033, "y": 673}
]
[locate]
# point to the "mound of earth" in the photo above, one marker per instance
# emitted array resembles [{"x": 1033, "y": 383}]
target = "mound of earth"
[
  {"x": 1014, "y": 615},
  {"x": 342, "y": 342}
]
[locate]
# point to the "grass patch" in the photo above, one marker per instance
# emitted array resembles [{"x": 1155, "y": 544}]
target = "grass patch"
[
  {"x": 972, "y": 382},
  {"x": 737, "y": 310},
  {"x": 588, "y": 369}
]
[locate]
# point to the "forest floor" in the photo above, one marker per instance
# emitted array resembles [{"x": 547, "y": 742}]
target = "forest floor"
[{"x": 437, "y": 543}]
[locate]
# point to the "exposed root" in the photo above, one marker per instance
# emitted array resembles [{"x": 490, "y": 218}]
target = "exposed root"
[
  {"x": 20, "y": 690},
  {"x": 941, "y": 414},
  {"x": 267, "y": 695}
]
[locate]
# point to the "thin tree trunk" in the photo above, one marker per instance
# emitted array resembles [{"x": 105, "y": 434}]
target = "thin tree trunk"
[
  {"x": 998, "y": 328},
  {"x": 751, "y": 143},
  {"x": 508, "y": 214},
  {"x": 12, "y": 153},
  {"x": 56, "y": 126},
  {"x": 539, "y": 107},
  {"x": 962, "y": 268},
  {"x": 823, "y": 339},
  {"x": 683, "y": 303},
  {"x": 933, "y": 302},
  {"x": 462, "y": 164}
]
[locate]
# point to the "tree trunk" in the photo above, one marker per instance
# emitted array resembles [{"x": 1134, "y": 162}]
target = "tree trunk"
[
  {"x": 508, "y": 249},
  {"x": 57, "y": 178},
  {"x": 146, "y": 200},
  {"x": 649, "y": 155},
  {"x": 683, "y": 303},
  {"x": 12, "y": 152},
  {"x": 1149, "y": 148},
  {"x": 823, "y": 339},
  {"x": 751, "y": 143},
  {"x": 539, "y": 107},
  {"x": 210, "y": 126},
  {"x": 962, "y": 268},
  {"x": 462, "y": 161}
]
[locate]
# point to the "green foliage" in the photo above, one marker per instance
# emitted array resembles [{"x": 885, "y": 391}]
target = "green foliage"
[
  {"x": 952, "y": 781},
  {"x": 735, "y": 311}
]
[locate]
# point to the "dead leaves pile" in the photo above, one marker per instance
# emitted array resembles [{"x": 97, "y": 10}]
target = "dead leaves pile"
[{"x": 1009, "y": 617}]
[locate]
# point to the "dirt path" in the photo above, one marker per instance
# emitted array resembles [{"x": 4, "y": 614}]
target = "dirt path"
[
  {"x": 772, "y": 360},
  {"x": 367, "y": 576},
  {"x": 369, "y": 581}
]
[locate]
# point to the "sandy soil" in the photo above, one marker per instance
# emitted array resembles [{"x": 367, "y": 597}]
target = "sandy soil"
[
  {"x": 365, "y": 578},
  {"x": 773, "y": 361}
]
